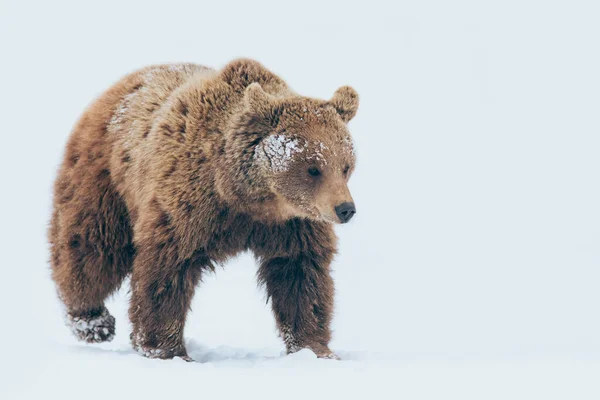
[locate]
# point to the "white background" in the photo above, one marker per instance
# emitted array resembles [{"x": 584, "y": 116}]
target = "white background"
[{"x": 473, "y": 265}]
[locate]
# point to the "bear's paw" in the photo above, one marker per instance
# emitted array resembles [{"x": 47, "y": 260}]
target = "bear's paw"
[{"x": 96, "y": 327}]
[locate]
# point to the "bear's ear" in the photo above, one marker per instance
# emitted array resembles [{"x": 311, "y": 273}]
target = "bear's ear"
[
  {"x": 345, "y": 102},
  {"x": 255, "y": 96},
  {"x": 260, "y": 105}
]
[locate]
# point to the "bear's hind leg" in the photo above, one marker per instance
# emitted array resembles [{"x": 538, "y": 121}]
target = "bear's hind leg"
[{"x": 91, "y": 249}]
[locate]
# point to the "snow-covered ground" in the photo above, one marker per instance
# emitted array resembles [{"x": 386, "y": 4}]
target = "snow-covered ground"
[{"x": 472, "y": 268}]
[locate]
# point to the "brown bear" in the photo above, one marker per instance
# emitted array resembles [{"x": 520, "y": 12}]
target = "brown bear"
[{"x": 177, "y": 168}]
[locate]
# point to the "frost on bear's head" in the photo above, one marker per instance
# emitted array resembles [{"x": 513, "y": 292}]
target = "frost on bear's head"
[{"x": 306, "y": 153}]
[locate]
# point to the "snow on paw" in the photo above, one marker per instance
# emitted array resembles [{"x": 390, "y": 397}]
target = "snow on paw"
[
  {"x": 151, "y": 353},
  {"x": 329, "y": 356},
  {"x": 324, "y": 352},
  {"x": 93, "y": 327},
  {"x": 303, "y": 354},
  {"x": 316, "y": 350},
  {"x": 161, "y": 353}
]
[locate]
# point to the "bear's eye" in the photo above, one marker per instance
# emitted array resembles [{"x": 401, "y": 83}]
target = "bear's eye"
[
  {"x": 314, "y": 171},
  {"x": 346, "y": 169}
]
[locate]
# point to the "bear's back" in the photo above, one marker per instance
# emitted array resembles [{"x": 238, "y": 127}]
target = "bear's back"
[
  {"x": 149, "y": 91},
  {"x": 133, "y": 119}
]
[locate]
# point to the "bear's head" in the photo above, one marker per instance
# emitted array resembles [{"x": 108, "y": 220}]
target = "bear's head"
[{"x": 296, "y": 154}]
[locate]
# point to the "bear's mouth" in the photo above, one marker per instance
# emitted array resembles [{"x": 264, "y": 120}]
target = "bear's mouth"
[
  {"x": 329, "y": 219},
  {"x": 322, "y": 217},
  {"x": 310, "y": 212}
]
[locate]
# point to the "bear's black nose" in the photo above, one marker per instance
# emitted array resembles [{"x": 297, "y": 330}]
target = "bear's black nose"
[{"x": 345, "y": 211}]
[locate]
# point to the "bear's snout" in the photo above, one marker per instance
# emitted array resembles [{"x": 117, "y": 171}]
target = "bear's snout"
[{"x": 345, "y": 211}]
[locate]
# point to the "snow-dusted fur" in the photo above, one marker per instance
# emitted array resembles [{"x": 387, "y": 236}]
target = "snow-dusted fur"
[{"x": 178, "y": 167}]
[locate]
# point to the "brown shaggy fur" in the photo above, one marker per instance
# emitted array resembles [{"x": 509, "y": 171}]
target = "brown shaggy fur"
[{"x": 177, "y": 168}]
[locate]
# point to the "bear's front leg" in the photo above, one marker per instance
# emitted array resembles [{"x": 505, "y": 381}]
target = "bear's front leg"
[
  {"x": 301, "y": 293},
  {"x": 162, "y": 285},
  {"x": 295, "y": 271}
]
